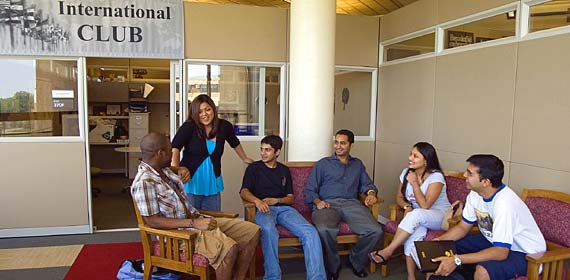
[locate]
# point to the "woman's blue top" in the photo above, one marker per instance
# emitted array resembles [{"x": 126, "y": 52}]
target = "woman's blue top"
[{"x": 204, "y": 180}]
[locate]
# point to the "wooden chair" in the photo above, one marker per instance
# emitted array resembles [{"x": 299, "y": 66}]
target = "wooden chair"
[
  {"x": 299, "y": 173},
  {"x": 456, "y": 190},
  {"x": 551, "y": 211},
  {"x": 163, "y": 248}
]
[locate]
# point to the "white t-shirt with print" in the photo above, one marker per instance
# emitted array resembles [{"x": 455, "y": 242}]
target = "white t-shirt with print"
[
  {"x": 441, "y": 203},
  {"x": 505, "y": 221}
]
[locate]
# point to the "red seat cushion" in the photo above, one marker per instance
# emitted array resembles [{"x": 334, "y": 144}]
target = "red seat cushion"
[
  {"x": 391, "y": 227},
  {"x": 299, "y": 177},
  {"x": 197, "y": 259},
  {"x": 456, "y": 189}
]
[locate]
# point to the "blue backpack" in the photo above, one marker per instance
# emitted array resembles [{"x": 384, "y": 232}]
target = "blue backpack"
[{"x": 133, "y": 270}]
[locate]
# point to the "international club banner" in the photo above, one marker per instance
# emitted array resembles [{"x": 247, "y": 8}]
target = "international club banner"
[{"x": 101, "y": 28}]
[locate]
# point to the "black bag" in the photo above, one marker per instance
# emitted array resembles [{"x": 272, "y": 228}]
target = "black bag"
[{"x": 133, "y": 270}]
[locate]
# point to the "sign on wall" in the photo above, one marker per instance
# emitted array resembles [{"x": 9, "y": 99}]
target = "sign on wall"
[
  {"x": 102, "y": 28},
  {"x": 459, "y": 38}
]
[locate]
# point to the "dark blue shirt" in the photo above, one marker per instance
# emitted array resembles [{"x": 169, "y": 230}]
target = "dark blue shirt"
[{"x": 331, "y": 179}]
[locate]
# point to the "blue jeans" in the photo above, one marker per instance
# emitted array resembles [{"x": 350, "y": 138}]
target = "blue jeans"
[
  {"x": 203, "y": 202},
  {"x": 289, "y": 218}
]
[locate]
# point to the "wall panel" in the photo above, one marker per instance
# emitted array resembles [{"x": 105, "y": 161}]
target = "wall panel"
[
  {"x": 453, "y": 9},
  {"x": 390, "y": 160},
  {"x": 474, "y": 101},
  {"x": 543, "y": 104},
  {"x": 356, "y": 48},
  {"x": 406, "y": 102},
  {"x": 526, "y": 176},
  {"x": 44, "y": 185},
  {"x": 234, "y": 32},
  {"x": 416, "y": 16}
]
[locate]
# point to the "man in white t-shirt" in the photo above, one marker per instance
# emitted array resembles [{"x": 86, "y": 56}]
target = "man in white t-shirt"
[{"x": 508, "y": 230}]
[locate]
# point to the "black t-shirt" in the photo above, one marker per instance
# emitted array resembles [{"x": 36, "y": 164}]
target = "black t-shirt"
[{"x": 264, "y": 182}]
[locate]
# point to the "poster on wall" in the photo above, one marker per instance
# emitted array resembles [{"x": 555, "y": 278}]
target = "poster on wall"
[{"x": 100, "y": 28}]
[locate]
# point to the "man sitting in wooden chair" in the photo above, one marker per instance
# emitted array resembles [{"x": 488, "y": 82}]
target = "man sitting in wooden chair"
[{"x": 228, "y": 244}]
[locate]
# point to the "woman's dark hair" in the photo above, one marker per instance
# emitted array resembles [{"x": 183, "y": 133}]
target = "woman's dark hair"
[
  {"x": 194, "y": 116},
  {"x": 432, "y": 163}
]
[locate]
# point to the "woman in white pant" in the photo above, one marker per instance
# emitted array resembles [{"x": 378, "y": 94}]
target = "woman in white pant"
[{"x": 423, "y": 197}]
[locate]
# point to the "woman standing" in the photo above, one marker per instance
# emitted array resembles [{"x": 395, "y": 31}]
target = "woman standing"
[
  {"x": 203, "y": 137},
  {"x": 423, "y": 198}
]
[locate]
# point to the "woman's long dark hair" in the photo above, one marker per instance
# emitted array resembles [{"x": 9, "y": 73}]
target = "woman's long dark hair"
[
  {"x": 194, "y": 116},
  {"x": 432, "y": 163}
]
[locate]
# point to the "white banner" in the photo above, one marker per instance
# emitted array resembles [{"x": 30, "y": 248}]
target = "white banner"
[{"x": 96, "y": 28}]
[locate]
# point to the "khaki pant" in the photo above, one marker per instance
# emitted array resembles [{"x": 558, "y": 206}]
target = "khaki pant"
[{"x": 215, "y": 244}]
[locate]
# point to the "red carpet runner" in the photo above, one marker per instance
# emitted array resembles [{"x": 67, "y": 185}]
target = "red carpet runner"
[{"x": 102, "y": 261}]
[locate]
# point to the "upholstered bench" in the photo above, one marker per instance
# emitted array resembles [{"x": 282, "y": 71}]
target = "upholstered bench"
[{"x": 299, "y": 173}]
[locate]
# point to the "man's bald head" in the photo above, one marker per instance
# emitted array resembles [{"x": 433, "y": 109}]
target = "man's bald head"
[{"x": 152, "y": 143}]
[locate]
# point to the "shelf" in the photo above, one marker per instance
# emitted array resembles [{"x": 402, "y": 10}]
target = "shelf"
[
  {"x": 125, "y": 74},
  {"x": 109, "y": 117},
  {"x": 109, "y": 144},
  {"x": 154, "y": 81}
]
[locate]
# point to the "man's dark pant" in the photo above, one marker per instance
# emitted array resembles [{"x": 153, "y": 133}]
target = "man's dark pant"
[
  {"x": 514, "y": 265},
  {"x": 359, "y": 220}
]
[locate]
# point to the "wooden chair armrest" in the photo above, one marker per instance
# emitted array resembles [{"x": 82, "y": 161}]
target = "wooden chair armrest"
[
  {"x": 173, "y": 233},
  {"x": 219, "y": 214},
  {"x": 247, "y": 204},
  {"x": 549, "y": 256},
  {"x": 362, "y": 197},
  {"x": 374, "y": 208},
  {"x": 249, "y": 210},
  {"x": 553, "y": 262},
  {"x": 396, "y": 212}
]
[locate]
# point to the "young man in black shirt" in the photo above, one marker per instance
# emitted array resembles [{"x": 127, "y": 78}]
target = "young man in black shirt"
[{"x": 267, "y": 183}]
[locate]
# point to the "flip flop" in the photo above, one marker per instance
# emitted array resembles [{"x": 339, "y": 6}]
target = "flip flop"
[{"x": 383, "y": 262}]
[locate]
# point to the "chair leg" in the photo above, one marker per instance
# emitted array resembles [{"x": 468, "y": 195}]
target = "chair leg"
[
  {"x": 387, "y": 240},
  {"x": 147, "y": 272},
  {"x": 384, "y": 270},
  {"x": 252, "y": 267},
  {"x": 372, "y": 267}
]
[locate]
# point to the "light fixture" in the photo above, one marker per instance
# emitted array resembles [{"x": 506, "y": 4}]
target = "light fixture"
[{"x": 511, "y": 14}]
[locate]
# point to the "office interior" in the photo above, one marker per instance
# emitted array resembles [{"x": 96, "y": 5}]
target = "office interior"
[{"x": 487, "y": 88}]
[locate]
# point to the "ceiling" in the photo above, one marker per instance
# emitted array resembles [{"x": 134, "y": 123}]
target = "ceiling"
[{"x": 353, "y": 7}]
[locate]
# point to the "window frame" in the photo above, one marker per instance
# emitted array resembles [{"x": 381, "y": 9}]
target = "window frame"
[
  {"x": 81, "y": 104},
  {"x": 373, "y": 99},
  {"x": 525, "y": 23},
  {"x": 403, "y": 38},
  {"x": 261, "y": 117},
  {"x": 440, "y": 48}
]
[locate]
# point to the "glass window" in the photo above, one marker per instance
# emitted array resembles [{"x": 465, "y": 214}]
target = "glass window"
[
  {"x": 353, "y": 101},
  {"x": 487, "y": 29},
  {"x": 236, "y": 90},
  {"x": 548, "y": 15},
  {"x": 412, "y": 47},
  {"x": 38, "y": 97}
]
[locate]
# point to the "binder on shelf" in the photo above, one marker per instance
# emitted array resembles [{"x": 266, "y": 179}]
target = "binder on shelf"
[{"x": 137, "y": 102}]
